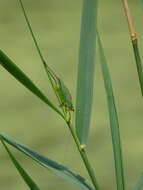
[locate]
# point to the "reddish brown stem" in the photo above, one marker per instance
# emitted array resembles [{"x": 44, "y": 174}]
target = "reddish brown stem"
[{"x": 130, "y": 21}]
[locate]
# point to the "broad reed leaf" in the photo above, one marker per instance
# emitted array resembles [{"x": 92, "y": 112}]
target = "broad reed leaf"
[
  {"x": 114, "y": 124},
  {"x": 138, "y": 63},
  {"x": 55, "y": 167},
  {"x": 139, "y": 185},
  {"x": 28, "y": 180},
  {"x": 16, "y": 72},
  {"x": 86, "y": 69}
]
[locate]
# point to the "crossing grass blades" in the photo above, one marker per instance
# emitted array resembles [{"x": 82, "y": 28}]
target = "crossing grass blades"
[{"x": 90, "y": 40}]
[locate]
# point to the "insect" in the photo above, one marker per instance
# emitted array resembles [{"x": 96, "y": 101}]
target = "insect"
[
  {"x": 61, "y": 90},
  {"x": 64, "y": 96}
]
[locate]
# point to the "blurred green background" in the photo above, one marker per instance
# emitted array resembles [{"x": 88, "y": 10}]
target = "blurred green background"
[{"x": 24, "y": 117}]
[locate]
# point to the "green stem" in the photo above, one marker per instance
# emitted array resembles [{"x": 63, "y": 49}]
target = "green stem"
[
  {"x": 84, "y": 157},
  {"x": 138, "y": 63},
  {"x": 81, "y": 151},
  {"x": 134, "y": 40},
  {"x": 30, "y": 28},
  {"x": 48, "y": 70}
]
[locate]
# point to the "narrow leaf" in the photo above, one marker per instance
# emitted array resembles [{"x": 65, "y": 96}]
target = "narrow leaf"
[
  {"x": 16, "y": 72},
  {"x": 139, "y": 185},
  {"x": 138, "y": 63},
  {"x": 86, "y": 69},
  {"x": 55, "y": 167},
  {"x": 114, "y": 124},
  {"x": 28, "y": 180}
]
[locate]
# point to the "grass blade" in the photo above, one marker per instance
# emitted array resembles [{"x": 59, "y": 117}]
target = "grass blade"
[
  {"x": 114, "y": 124},
  {"x": 64, "y": 98},
  {"x": 86, "y": 69},
  {"x": 28, "y": 180},
  {"x": 138, "y": 63},
  {"x": 16, "y": 72},
  {"x": 139, "y": 185},
  {"x": 58, "y": 169}
]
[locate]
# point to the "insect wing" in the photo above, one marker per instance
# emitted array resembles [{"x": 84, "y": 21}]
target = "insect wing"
[{"x": 67, "y": 99}]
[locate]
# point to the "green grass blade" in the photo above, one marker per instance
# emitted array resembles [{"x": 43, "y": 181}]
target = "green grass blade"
[
  {"x": 55, "y": 167},
  {"x": 139, "y": 185},
  {"x": 138, "y": 63},
  {"x": 114, "y": 124},
  {"x": 86, "y": 69},
  {"x": 16, "y": 72},
  {"x": 28, "y": 180}
]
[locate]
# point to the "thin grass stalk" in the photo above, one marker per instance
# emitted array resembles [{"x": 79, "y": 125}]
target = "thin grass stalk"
[
  {"x": 114, "y": 123},
  {"x": 46, "y": 67},
  {"x": 34, "y": 39},
  {"x": 32, "y": 34},
  {"x": 84, "y": 157},
  {"x": 134, "y": 40},
  {"x": 75, "y": 138}
]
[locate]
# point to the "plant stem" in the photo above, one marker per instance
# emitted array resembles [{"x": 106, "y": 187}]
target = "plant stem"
[
  {"x": 81, "y": 151},
  {"x": 129, "y": 19},
  {"x": 84, "y": 157},
  {"x": 30, "y": 28},
  {"x": 134, "y": 40},
  {"x": 46, "y": 67},
  {"x": 138, "y": 63}
]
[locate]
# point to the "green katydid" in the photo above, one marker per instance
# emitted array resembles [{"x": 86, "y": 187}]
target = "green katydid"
[
  {"x": 61, "y": 90},
  {"x": 64, "y": 96}
]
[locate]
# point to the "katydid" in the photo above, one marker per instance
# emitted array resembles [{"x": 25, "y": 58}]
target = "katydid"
[
  {"x": 64, "y": 95},
  {"x": 61, "y": 90}
]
